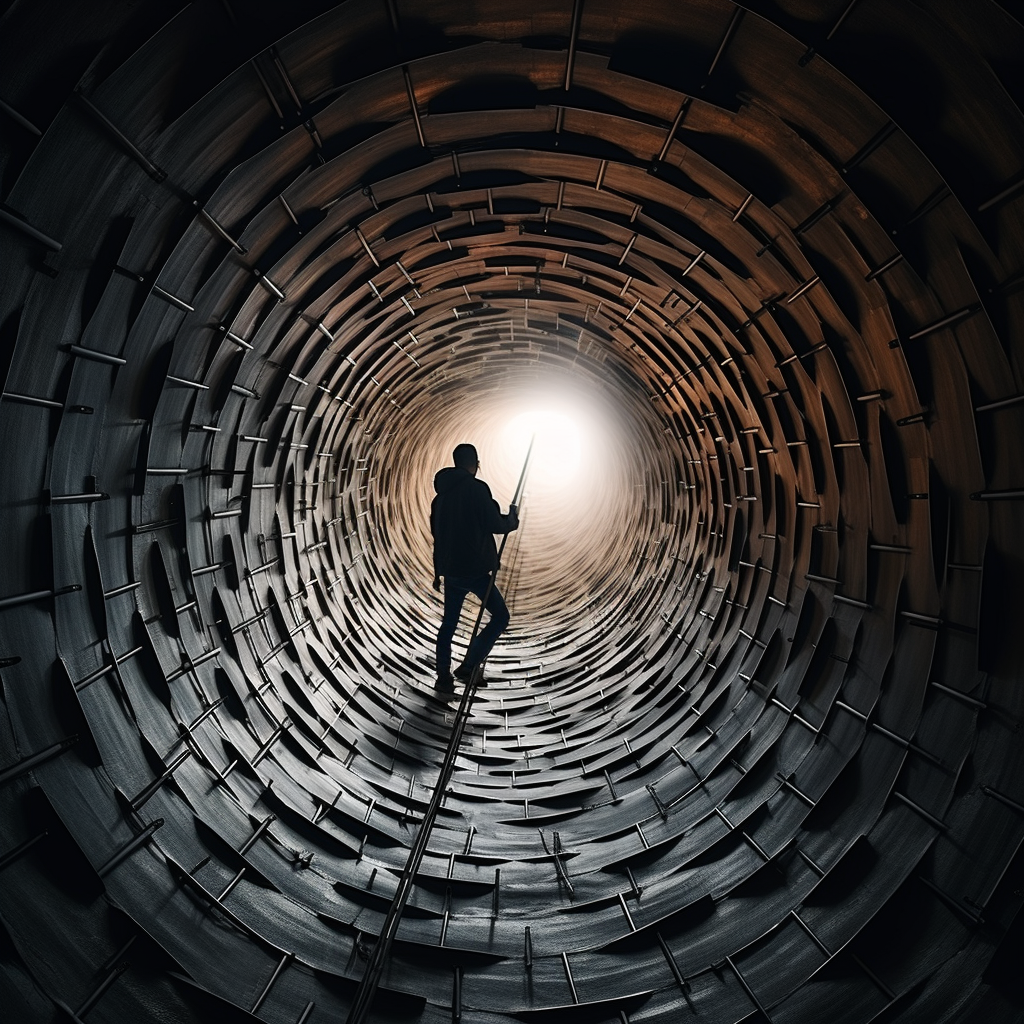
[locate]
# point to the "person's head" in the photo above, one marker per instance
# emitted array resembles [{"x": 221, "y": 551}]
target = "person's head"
[{"x": 465, "y": 457}]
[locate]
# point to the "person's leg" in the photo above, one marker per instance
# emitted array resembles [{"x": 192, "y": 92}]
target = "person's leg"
[
  {"x": 455, "y": 590},
  {"x": 496, "y": 625}
]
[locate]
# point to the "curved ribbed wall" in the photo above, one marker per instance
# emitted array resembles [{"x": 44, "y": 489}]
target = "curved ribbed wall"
[{"x": 751, "y": 745}]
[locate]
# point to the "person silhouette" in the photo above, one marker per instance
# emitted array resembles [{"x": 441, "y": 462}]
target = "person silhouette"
[{"x": 463, "y": 521}]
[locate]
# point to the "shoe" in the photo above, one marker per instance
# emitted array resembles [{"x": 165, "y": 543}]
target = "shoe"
[
  {"x": 465, "y": 672},
  {"x": 444, "y": 684}
]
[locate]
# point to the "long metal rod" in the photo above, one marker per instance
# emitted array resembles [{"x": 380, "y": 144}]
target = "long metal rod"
[
  {"x": 478, "y": 669},
  {"x": 378, "y": 958}
]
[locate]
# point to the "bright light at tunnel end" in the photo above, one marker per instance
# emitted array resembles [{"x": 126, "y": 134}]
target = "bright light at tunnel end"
[
  {"x": 573, "y": 461},
  {"x": 558, "y": 446}
]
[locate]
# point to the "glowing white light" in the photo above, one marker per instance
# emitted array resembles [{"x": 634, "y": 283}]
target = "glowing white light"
[{"x": 558, "y": 443}]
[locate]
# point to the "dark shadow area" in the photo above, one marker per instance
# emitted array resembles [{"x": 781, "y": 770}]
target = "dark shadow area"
[
  {"x": 748, "y": 165},
  {"x": 492, "y": 92},
  {"x": 58, "y": 856},
  {"x": 842, "y": 880},
  {"x": 673, "y": 61}
]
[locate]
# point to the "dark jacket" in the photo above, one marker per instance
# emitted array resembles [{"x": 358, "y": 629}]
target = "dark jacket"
[{"x": 463, "y": 521}]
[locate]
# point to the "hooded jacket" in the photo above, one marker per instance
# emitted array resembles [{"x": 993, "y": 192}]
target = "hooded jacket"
[{"x": 463, "y": 521}]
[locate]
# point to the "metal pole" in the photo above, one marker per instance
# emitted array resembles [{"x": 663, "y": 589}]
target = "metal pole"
[
  {"x": 378, "y": 958},
  {"x": 478, "y": 670}
]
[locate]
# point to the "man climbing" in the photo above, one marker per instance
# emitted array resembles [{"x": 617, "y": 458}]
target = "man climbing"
[{"x": 463, "y": 521}]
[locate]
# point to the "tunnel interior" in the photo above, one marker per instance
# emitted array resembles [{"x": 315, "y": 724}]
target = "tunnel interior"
[{"x": 750, "y": 749}]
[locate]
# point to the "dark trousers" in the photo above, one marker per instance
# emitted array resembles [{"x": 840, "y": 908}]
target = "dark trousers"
[{"x": 455, "y": 590}]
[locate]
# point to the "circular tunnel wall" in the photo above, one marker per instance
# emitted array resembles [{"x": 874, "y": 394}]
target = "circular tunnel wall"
[{"x": 750, "y": 749}]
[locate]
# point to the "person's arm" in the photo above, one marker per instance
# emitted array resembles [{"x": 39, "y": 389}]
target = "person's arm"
[{"x": 493, "y": 519}]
